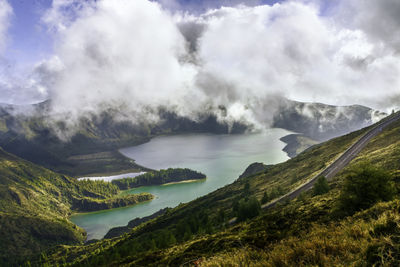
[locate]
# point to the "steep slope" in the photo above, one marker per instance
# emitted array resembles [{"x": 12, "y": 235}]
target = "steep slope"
[
  {"x": 35, "y": 204},
  {"x": 199, "y": 230},
  {"x": 314, "y": 231}
]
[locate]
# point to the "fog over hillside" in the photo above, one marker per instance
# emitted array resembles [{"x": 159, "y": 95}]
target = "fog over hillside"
[{"x": 132, "y": 57}]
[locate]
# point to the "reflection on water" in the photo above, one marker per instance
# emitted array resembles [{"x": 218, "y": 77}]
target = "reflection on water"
[{"x": 221, "y": 157}]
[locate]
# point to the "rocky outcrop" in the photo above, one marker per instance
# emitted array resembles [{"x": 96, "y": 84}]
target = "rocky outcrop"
[{"x": 254, "y": 168}]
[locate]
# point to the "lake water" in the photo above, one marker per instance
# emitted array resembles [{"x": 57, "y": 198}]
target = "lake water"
[{"x": 222, "y": 158}]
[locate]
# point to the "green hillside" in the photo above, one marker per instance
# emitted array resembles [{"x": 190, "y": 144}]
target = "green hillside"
[
  {"x": 35, "y": 204},
  {"x": 314, "y": 229}
]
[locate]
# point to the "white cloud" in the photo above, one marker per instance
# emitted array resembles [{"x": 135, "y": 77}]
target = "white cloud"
[
  {"x": 380, "y": 20},
  {"x": 135, "y": 56},
  {"x": 290, "y": 49},
  {"x": 125, "y": 54}
]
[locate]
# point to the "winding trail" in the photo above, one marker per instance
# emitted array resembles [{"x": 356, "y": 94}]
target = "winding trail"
[{"x": 341, "y": 162}]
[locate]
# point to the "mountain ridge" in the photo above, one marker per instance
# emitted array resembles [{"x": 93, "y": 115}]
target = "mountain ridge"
[{"x": 32, "y": 138}]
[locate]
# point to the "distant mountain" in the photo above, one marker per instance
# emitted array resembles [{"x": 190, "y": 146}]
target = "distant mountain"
[
  {"x": 323, "y": 122},
  {"x": 25, "y": 131}
]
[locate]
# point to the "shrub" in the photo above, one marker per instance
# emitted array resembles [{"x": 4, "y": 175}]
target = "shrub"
[
  {"x": 321, "y": 186},
  {"x": 248, "y": 209},
  {"x": 265, "y": 198},
  {"x": 246, "y": 189},
  {"x": 365, "y": 186}
]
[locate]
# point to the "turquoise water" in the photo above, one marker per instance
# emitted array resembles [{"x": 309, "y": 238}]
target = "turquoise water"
[{"x": 221, "y": 157}]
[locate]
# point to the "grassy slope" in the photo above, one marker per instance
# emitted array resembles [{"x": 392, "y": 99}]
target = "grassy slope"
[
  {"x": 281, "y": 222},
  {"x": 34, "y": 206},
  {"x": 369, "y": 237}
]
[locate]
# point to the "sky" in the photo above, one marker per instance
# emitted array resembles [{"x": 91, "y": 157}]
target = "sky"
[
  {"x": 132, "y": 56},
  {"x": 30, "y": 41}
]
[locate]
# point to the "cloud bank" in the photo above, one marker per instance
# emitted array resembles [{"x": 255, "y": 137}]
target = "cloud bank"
[{"x": 135, "y": 56}]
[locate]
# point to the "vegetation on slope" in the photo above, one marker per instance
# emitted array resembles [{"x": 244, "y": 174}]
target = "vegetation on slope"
[
  {"x": 169, "y": 175},
  {"x": 35, "y": 204},
  {"x": 200, "y": 229},
  {"x": 120, "y": 230},
  {"x": 91, "y": 204}
]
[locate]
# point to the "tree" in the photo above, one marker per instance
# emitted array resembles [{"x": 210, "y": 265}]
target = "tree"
[
  {"x": 235, "y": 206},
  {"x": 275, "y": 192},
  {"x": 248, "y": 209},
  {"x": 246, "y": 189},
  {"x": 221, "y": 216},
  {"x": 321, "y": 186},
  {"x": 365, "y": 186},
  {"x": 265, "y": 198}
]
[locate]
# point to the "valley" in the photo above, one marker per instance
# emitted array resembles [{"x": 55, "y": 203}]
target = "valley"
[
  {"x": 222, "y": 158},
  {"x": 199, "y": 133},
  {"x": 100, "y": 151},
  {"x": 265, "y": 238}
]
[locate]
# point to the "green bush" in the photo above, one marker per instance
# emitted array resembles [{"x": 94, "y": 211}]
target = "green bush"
[
  {"x": 265, "y": 198},
  {"x": 364, "y": 186},
  {"x": 248, "y": 209},
  {"x": 321, "y": 186}
]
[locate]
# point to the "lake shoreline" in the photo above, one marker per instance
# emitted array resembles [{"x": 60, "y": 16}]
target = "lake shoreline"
[
  {"x": 291, "y": 144},
  {"x": 221, "y": 157},
  {"x": 77, "y": 213},
  {"x": 185, "y": 181}
]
